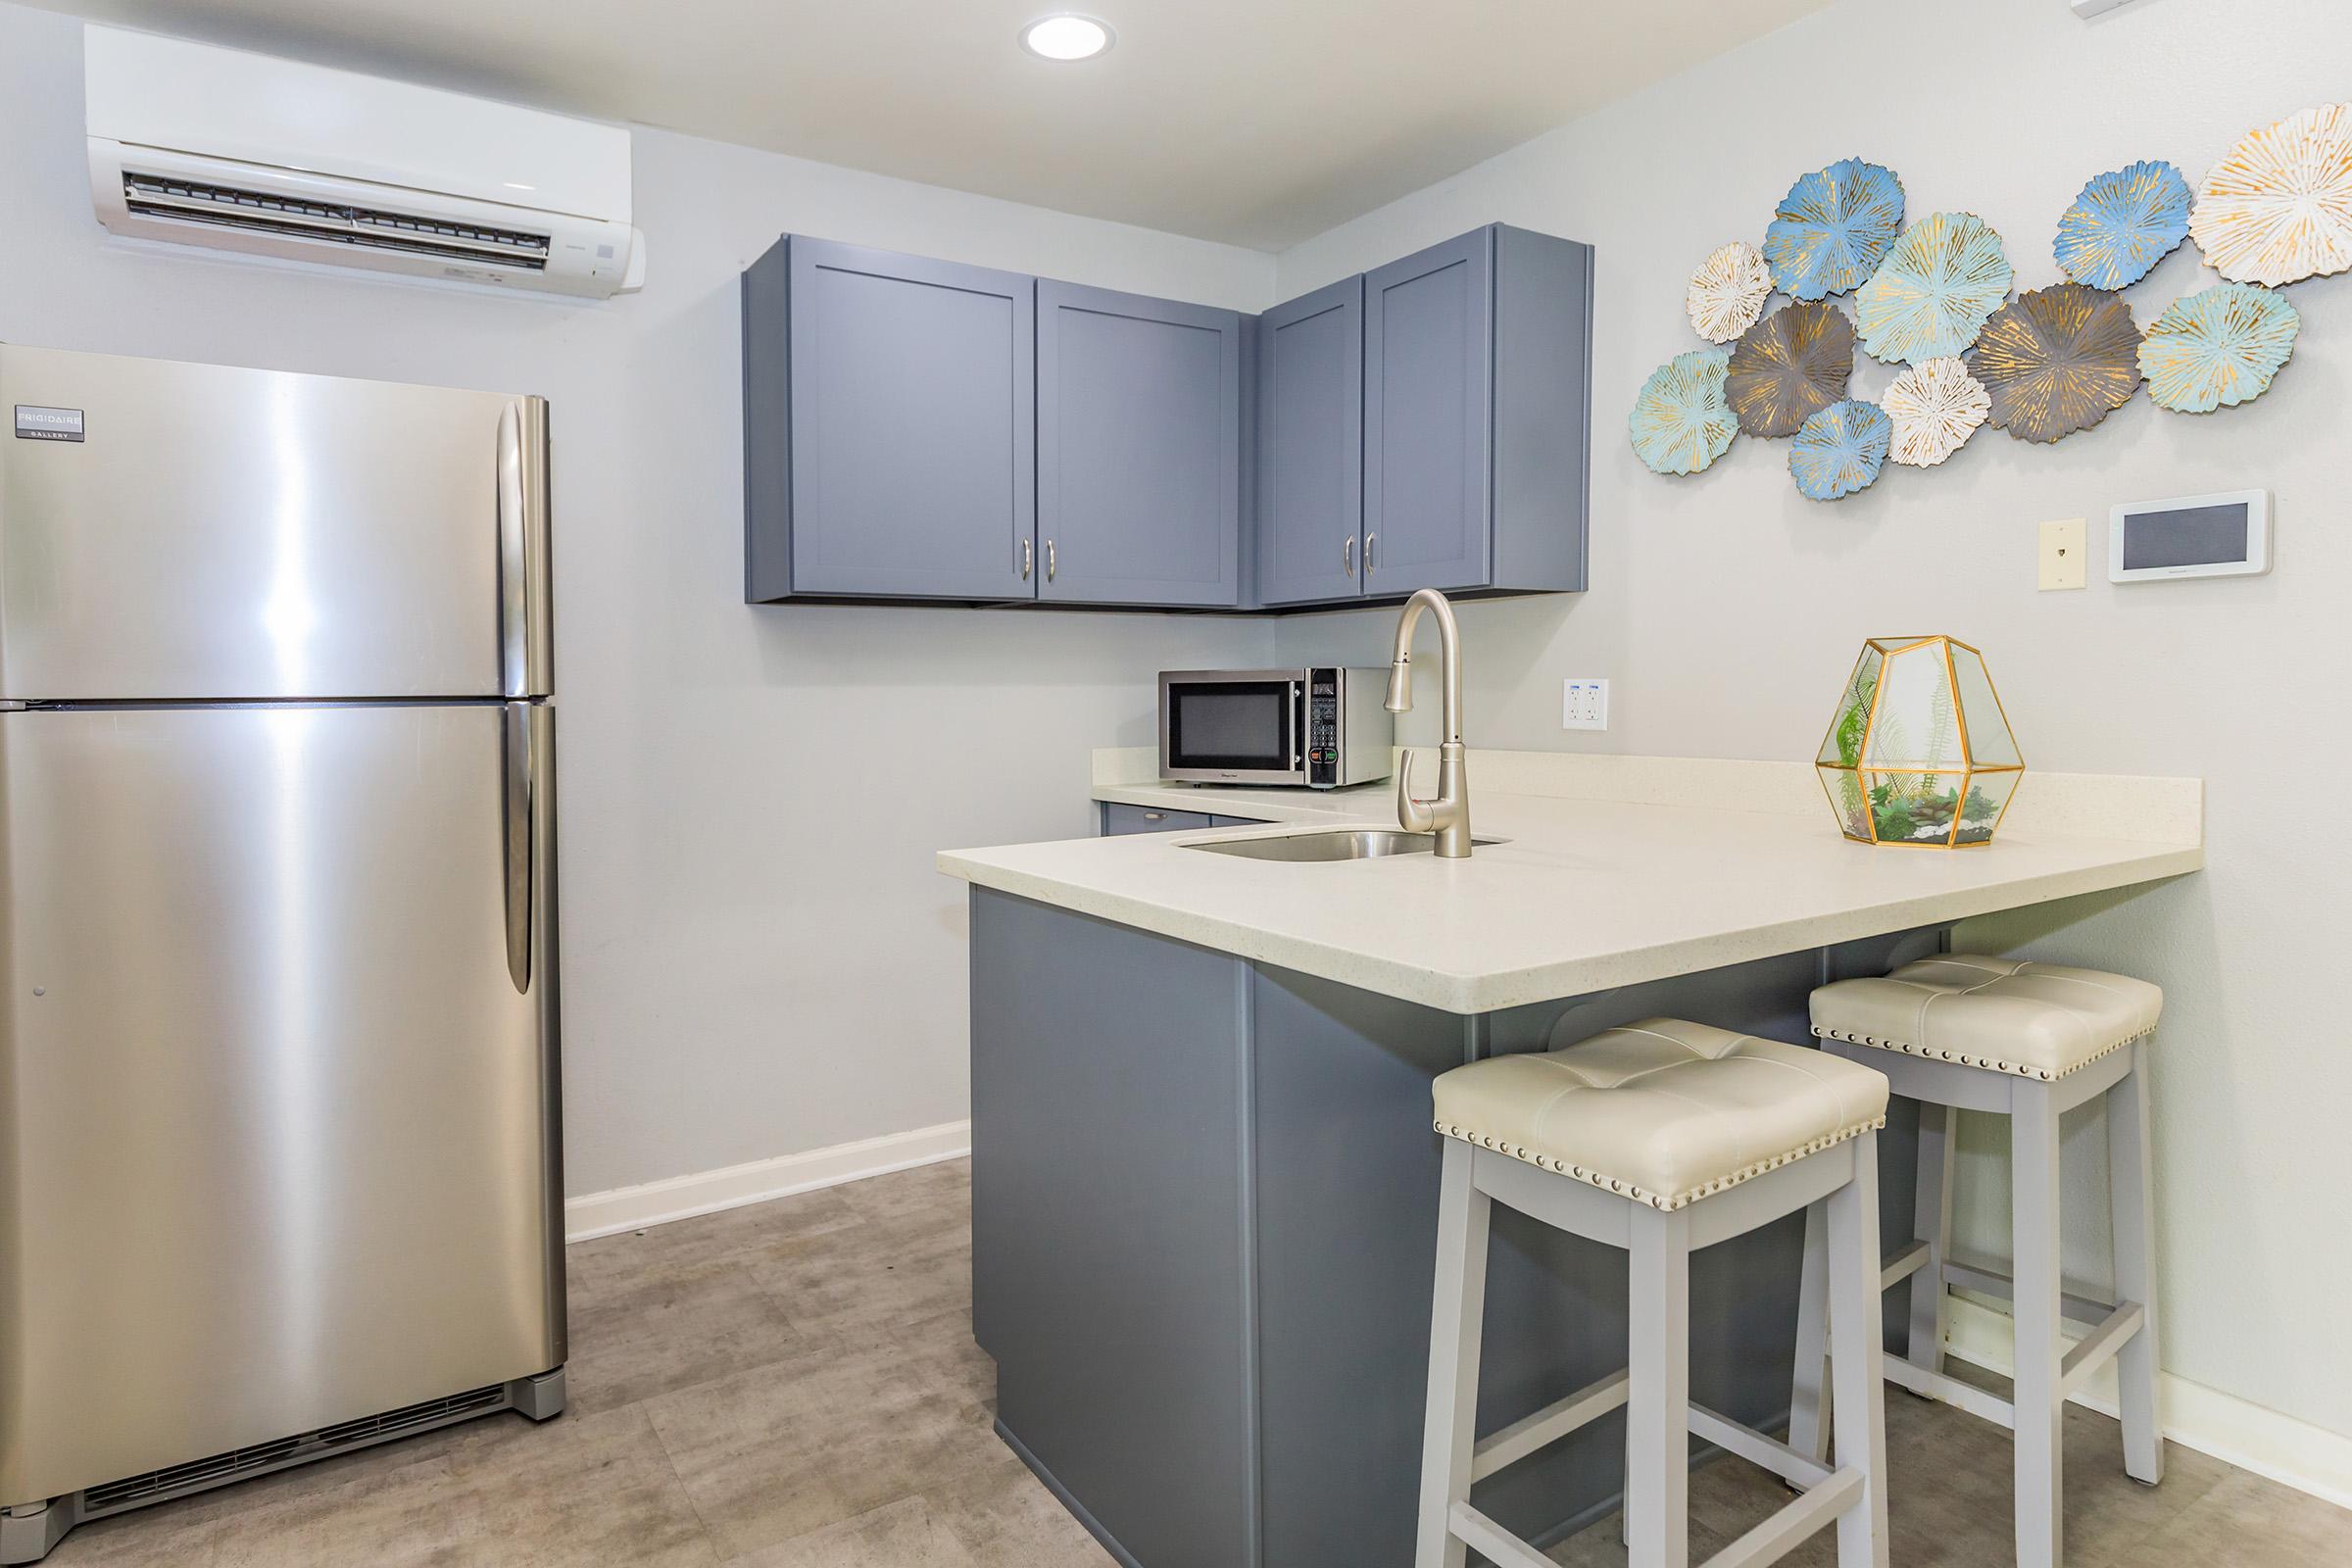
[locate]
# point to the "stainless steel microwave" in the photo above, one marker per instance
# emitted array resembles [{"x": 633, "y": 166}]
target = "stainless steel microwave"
[{"x": 1320, "y": 728}]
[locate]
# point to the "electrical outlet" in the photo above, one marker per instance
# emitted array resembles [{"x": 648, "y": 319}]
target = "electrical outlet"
[
  {"x": 1584, "y": 703},
  {"x": 2065, "y": 549}
]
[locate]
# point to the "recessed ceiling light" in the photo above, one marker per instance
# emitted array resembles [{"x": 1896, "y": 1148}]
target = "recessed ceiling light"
[{"x": 1066, "y": 36}]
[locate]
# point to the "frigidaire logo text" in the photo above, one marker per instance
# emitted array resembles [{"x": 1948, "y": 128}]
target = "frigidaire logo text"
[{"x": 35, "y": 423}]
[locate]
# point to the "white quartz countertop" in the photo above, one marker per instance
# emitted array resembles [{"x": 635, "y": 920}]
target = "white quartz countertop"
[{"x": 1617, "y": 870}]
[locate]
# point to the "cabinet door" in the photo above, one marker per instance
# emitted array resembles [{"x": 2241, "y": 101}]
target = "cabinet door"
[
  {"x": 1310, "y": 446},
  {"x": 1139, "y": 452},
  {"x": 913, "y": 433},
  {"x": 1119, "y": 819},
  {"x": 1427, "y": 414}
]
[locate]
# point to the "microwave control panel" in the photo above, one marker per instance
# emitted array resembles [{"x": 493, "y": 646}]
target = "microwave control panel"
[{"x": 1323, "y": 729}]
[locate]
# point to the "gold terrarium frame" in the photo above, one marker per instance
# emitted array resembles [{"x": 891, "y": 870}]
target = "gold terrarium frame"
[{"x": 1863, "y": 773}]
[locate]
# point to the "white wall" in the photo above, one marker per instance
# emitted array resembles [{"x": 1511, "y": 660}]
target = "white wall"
[
  {"x": 759, "y": 957},
  {"x": 1727, "y": 610}
]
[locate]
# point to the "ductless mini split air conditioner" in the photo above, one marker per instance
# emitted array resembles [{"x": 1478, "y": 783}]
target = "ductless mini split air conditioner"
[{"x": 241, "y": 151}]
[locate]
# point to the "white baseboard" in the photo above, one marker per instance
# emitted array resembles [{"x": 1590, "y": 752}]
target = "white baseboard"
[
  {"x": 2286, "y": 1450},
  {"x": 629, "y": 1209}
]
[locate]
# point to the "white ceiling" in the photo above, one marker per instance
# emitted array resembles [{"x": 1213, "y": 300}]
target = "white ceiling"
[{"x": 1253, "y": 121}]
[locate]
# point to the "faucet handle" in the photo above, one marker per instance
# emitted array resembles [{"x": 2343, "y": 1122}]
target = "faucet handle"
[{"x": 1414, "y": 816}]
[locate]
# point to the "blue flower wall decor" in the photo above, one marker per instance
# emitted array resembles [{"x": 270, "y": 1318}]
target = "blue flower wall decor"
[
  {"x": 1833, "y": 228},
  {"x": 2218, "y": 348},
  {"x": 2124, "y": 223},
  {"x": 1841, "y": 450},
  {"x": 1681, "y": 423},
  {"x": 1935, "y": 291}
]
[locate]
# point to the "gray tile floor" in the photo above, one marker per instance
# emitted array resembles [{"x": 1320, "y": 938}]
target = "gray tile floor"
[{"x": 794, "y": 1385}]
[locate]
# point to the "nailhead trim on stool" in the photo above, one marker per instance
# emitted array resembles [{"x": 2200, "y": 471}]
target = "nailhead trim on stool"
[
  {"x": 1993, "y": 1063},
  {"x": 1642, "y": 1194}
]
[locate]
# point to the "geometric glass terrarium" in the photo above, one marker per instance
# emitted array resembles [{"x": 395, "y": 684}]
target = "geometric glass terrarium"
[{"x": 1920, "y": 752}]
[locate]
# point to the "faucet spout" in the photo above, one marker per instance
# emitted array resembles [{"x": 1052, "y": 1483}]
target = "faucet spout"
[{"x": 1448, "y": 815}]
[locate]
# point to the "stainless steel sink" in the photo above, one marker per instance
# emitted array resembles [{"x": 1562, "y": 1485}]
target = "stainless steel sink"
[{"x": 1344, "y": 844}]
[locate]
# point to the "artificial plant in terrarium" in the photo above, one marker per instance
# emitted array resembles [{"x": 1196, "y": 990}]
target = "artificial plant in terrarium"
[{"x": 1920, "y": 752}]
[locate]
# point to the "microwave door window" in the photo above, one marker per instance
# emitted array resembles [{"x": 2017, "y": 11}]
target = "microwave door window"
[{"x": 1244, "y": 726}]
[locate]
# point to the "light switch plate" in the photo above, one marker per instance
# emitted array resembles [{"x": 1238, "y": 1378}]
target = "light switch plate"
[
  {"x": 1584, "y": 703},
  {"x": 2065, "y": 553}
]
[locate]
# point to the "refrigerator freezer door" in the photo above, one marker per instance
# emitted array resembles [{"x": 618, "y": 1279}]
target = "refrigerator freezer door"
[
  {"x": 281, "y": 1127},
  {"x": 189, "y": 531}
]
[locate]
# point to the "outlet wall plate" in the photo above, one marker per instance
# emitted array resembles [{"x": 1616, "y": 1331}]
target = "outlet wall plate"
[
  {"x": 1584, "y": 703},
  {"x": 2064, "y": 552}
]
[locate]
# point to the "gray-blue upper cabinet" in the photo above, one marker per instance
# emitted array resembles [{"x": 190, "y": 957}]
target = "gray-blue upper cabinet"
[
  {"x": 889, "y": 426},
  {"x": 1310, "y": 447},
  {"x": 1477, "y": 415},
  {"x": 1139, "y": 449}
]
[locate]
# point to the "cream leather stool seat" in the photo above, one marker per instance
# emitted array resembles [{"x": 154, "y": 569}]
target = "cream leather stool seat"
[
  {"x": 2032, "y": 1042},
  {"x": 1661, "y": 1138},
  {"x": 2038, "y": 1021},
  {"x": 1661, "y": 1112}
]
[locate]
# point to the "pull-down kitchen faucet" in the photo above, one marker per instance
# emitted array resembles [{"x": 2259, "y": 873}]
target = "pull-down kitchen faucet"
[{"x": 1448, "y": 815}]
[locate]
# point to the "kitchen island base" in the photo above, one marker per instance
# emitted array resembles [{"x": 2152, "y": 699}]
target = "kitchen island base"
[{"x": 1204, "y": 1196}]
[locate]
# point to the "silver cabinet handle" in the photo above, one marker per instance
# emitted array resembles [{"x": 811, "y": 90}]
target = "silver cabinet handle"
[
  {"x": 521, "y": 816},
  {"x": 1154, "y": 817},
  {"x": 1051, "y": 565},
  {"x": 1371, "y": 548},
  {"x": 1347, "y": 556},
  {"x": 1028, "y": 557}
]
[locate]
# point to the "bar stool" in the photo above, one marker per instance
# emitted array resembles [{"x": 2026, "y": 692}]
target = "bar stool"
[
  {"x": 1661, "y": 1138},
  {"x": 2030, "y": 1041}
]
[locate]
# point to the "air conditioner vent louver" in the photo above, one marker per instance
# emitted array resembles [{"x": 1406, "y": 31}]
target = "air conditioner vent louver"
[{"x": 225, "y": 206}]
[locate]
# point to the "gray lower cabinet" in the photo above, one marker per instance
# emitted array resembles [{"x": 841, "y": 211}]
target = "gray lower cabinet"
[
  {"x": 1120, "y": 820},
  {"x": 1477, "y": 417},
  {"x": 1139, "y": 449},
  {"x": 1310, "y": 446},
  {"x": 889, "y": 426}
]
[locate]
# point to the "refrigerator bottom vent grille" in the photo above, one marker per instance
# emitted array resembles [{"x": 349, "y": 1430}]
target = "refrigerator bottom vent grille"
[
  {"x": 259, "y": 1456},
  {"x": 432, "y": 1412},
  {"x": 237, "y": 1464}
]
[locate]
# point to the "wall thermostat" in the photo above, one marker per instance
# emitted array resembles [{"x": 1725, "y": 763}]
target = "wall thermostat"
[{"x": 2195, "y": 536}]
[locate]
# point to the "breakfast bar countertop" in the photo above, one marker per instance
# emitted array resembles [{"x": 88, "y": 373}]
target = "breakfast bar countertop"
[{"x": 1614, "y": 870}]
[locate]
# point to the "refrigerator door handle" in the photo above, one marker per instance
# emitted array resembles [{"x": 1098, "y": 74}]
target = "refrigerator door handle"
[
  {"x": 524, "y": 645},
  {"x": 521, "y": 822}
]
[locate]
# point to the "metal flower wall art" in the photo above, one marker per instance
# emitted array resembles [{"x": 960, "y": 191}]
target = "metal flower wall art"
[
  {"x": 1789, "y": 366},
  {"x": 1839, "y": 451},
  {"x": 2218, "y": 348},
  {"x": 1935, "y": 291},
  {"x": 2122, "y": 224},
  {"x": 2278, "y": 208},
  {"x": 1728, "y": 291},
  {"x": 1680, "y": 422},
  {"x": 2057, "y": 360},
  {"x": 1935, "y": 406},
  {"x": 1933, "y": 300},
  {"x": 1833, "y": 228}
]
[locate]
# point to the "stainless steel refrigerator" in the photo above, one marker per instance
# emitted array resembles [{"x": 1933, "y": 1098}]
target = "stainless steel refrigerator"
[{"x": 280, "y": 1169}]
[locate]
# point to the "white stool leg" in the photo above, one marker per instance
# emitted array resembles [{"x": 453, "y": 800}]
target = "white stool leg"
[
  {"x": 1856, "y": 1355},
  {"x": 1808, "y": 1432},
  {"x": 2133, "y": 1198},
  {"x": 1657, "y": 1413},
  {"x": 1932, "y": 1223},
  {"x": 1456, "y": 1319},
  {"x": 2041, "y": 1413}
]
